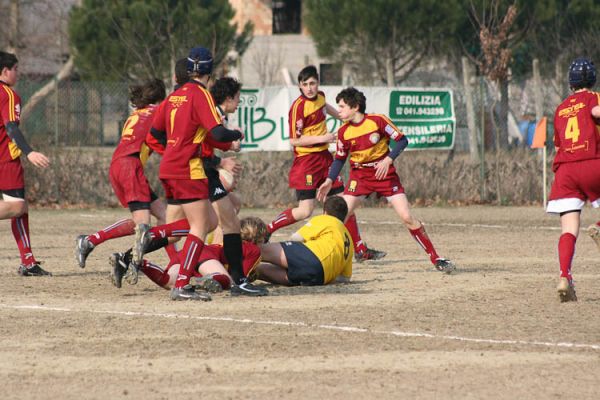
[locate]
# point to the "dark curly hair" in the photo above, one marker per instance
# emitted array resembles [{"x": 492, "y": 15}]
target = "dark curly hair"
[
  {"x": 223, "y": 88},
  {"x": 353, "y": 97}
]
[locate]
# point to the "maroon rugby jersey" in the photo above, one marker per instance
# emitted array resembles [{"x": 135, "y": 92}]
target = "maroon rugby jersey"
[
  {"x": 10, "y": 110},
  {"x": 188, "y": 114},
  {"x": 576, "y": 132},
  {"x": 134, "y": 134}
]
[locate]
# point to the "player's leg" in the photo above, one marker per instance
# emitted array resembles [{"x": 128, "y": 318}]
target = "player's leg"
[
  {"x": 361, "y": 251},
  {"x": 14, "y": 206},
  {"x": 158, "y": 209},
  {"x": 569, "y": 222},
  {"x": 400, "y": 204},
  {"x": 212, "y": 277},
  {"x": 274, "y": 269},
  {"x": 304, "y": 209}
]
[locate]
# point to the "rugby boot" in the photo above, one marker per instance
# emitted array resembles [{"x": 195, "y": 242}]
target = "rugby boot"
[
  {"x": 594, "y": 232},
  {"x": 566, "y": 290},
  {"x": 444, "y": 265},
  {"x": 189, "y": 293},
  {"x": 142, "y": 240},
  {"x": 119, "y": 263},
  {"x": 206, "y": 283},
  {"x": 33, "y": 270},
  {"x": 245, "y": 288},
  {"x": 83, "y": 248},
  {"x": 369, "y": 254}
]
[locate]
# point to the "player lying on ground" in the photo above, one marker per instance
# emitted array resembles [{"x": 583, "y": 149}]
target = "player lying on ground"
[
  {"x": 317, "y": 254},
  {"x": 576, "y": 166},
  {"x": 126, "y": 173},
  {"x": 310, "y": 143},
  {"x": 365, "y": 139},
  {"x": 212, "y": 271},
  {"x": 13, "y": 205},
  {"x": 225, "y": 205}
]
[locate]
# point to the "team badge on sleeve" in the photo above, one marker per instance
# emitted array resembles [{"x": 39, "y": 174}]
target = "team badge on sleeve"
[
  {"x": 393, "y": 133},
  {"x": 340, "y": 149},
  {"x": 299, "y": 126}
]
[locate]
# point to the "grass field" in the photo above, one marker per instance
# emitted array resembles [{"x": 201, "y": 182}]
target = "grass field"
[{"x": 495, "y": 329}]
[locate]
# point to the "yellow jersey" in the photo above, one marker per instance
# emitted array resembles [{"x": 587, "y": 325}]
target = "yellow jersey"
[{"x": 328, "y": 239}]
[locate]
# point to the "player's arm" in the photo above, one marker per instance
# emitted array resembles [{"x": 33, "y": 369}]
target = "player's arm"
[
  {"x": 222, "y": 134},
  {"x": 395, "y": 134},
  {"x": 336, "y": 167},
  {"x": 36, "y": 158},
  {"x": 331, "y": 110}
]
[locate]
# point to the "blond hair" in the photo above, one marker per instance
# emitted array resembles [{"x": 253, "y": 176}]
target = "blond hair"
[{"x": 254, "y": 230}]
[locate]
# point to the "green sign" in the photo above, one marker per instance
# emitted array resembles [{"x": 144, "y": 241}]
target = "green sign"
[{"x": 426, "y": 117}]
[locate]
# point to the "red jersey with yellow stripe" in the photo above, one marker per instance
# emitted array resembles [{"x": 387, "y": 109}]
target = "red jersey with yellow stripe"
[
  {"x": 186, "y": 115},
  {"x": 368, "y": 141},
  {"x": 250, "y": 252},
  {"x": 307, "y": 118},
  {"x": 134, "y": 133},
  {"x": 209, "y": 144},
  {"x": 576, "y": 132},
  {"x": 10, "y": 110}
]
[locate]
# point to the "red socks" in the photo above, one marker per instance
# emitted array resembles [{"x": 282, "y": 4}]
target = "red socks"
[
  {"x": 155, "y": 273},
  {"x": 352, "y": 227},
  {"x": 124, "y": 227},
  {"x": 566, "y": 250},
  {"x": 284, "y": 219},
  {"x": 421, "y": 237},
  {"x": 189, "y": 259},
  {"x": 172, "y": 253},
  {"x": 174, "y": 229},
  {"x": 20, "y": 230}
]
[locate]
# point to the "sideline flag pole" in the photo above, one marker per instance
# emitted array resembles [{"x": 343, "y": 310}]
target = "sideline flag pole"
[{"x": 539, "y": 142}]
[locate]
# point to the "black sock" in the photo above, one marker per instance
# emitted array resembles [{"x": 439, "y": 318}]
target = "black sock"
[
  {"x": 155, "y": 244},
  {"x": 232, "y": 246}
]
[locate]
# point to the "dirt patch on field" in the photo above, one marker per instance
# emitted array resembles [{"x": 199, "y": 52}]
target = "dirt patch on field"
[{"x": 493, "y": 330}]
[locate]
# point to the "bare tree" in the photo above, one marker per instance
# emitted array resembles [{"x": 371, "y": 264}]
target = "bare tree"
[{"x": 267, "y": 61}]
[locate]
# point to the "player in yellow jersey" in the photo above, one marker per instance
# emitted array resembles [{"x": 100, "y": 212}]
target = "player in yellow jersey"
[{"x": 319, "y": 253}]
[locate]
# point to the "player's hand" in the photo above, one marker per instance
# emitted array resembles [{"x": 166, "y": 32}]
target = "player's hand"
[
  {"x": 38, "y": 159},
  {"x": 236, "y": 146},
  {"x": 237, "y": 128},
  {"x": 324, "y": 189},
  {"x": 382, "y": 168},
  {"x": 231, "y": 164},
  {"x": 329, "y": 138}
]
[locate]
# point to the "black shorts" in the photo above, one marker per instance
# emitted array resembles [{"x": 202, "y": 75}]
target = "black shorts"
[
  {"x": 312, "y": 193},
  {"x": 304, "y": 268},
  {"x": 16, "y": 193},
  {"x": 216, "y": 190},
  {"x": 142, "y": 205}
]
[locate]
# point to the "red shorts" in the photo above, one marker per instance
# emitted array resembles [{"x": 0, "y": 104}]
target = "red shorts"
[
  {"x": 129, "y": 182},
  {"x": 362, "y": 182},
  {"x": 574, "y": 183},
  {"x": 11, "y": 175},
  {"x": 185, "y": 190},
  {"x": 310, "y": 171},
  {"x": 212, "y": 252}
]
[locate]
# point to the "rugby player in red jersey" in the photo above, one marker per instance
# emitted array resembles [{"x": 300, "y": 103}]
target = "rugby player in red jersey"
[
  {"x": 365, "y": 139},
  {"x": 13, "y": 205},
  {"x": 127, "y": 172},
  {"x": 576, "y": 166},
  {"x": 188, "y": 116},
  {"x": 310, "y": 142}
]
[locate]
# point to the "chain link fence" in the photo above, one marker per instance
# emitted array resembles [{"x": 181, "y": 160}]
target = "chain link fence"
[{"x": 77, "y": 114}]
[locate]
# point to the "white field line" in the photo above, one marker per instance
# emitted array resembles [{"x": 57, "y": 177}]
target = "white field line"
[
  {"x": 457, "y": 225},
  {"x": 352, "y": 329}
]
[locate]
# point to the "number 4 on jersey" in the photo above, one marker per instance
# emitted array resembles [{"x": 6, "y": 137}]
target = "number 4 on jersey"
[{"x": 572, "y": 131}]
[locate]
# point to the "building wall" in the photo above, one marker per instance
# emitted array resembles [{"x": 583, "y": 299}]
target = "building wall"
[{"x": 271, "y": 59}]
